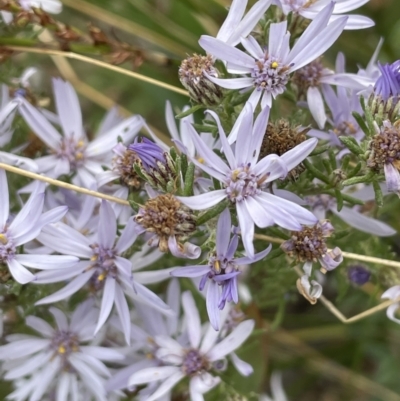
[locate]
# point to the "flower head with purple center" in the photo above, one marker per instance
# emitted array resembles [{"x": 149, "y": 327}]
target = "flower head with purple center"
[
  {"x": 270, "y": 68},
  {"x": 342, "y": 104},
  {"x": 60, "y": 361},
  {"x": 205, "y": 351},
  {"x": 73, "y": 153},
  {"x": 245, "y": 177},
  {"x": 221, "y": 273},
  {"x": 104, "y": 269}
]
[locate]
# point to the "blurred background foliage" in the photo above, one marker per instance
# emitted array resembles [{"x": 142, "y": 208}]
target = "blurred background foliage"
[{"x": 322, "y": 358}]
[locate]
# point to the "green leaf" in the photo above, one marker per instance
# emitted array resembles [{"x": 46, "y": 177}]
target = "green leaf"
[
  {"x": 358, "y": 180},
  {"x": 378, "y": 193},
  {"x": 339, "y": 199},
  {"x": 361, "y": 123},
  {"x": 351, "y": 144},
  {"x": 190, "y": 111},
  {"x": 355, "y": 170},
  {"x": 184, "y": 164},
  {"x": 189, "y": 180},
  {"x": 213, "y": 212},
  {"x": 315, "y": 172},
  {"x": 319, "y": 150}
]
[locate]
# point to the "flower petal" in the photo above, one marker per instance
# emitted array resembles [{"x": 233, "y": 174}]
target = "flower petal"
[
  {"x": 106, "y": 302},
  {"x": 192, "y": 317},
  {"x": 152, "y": 374},
  {"x": 316, "y": 105},
  {"x": 203, "y": 201},
  {"x": 233, "y": 341}
]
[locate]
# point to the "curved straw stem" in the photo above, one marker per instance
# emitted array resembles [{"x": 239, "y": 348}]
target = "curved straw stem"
[
  {"x": 99, "y": 63},
  {"x": 62, "y": 184},
  {"x": 347, "y": 255}
]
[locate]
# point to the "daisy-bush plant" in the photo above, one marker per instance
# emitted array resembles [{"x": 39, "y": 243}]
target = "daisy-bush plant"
[{"x": 191, "y": 260}]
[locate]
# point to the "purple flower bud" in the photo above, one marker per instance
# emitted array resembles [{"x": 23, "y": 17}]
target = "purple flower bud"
[
  {"x": 148, "y": 152},
  {"x": 388, "y": 84},
  {"x": 358, "y": 274}
]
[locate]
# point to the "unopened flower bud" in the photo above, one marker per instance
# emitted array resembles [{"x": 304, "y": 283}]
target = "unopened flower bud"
[
  {"x": 192, "y": 74},
  {"x": 155, "y": 165},
  {"x": 358, "y": 274}
]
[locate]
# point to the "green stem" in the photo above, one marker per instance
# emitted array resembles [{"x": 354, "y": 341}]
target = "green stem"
[{"x": 213, "y": 212}]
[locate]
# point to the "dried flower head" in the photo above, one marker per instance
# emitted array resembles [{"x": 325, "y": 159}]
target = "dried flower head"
[
  {"x": 385, "y": 154},
  {"x": 308, "y": 76},
  {"x": 122, "y": 164},
  {"x": 166, "y": 217},
  {"x": 309, "y": 245},
  {"x": 385, "y": 147},
  {"x": 192, "y": 76},
  {"x": 279, "y": 138}
]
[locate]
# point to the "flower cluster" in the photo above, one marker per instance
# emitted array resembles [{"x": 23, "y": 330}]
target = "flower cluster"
[{"x": 275, "y": 143}]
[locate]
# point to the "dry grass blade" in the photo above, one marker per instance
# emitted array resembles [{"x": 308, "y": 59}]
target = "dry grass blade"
[
  {"x": 99, "y": 63},
  {"x": 160, "y": 19},
  {"x": 128, "y": 26},
  {"x": 62, "y": 184}
]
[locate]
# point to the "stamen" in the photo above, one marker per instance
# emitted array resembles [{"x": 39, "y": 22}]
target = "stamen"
[{"x": 3, "y": 239}]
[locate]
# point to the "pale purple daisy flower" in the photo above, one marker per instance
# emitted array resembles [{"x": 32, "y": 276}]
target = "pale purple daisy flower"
[
  {"x": 270, "y": 68},
  {"x": 59, "y": 361},
  {"x": 72, "y": 153},
  {"x": 103, "y": 270},
  {"x": 393, "y": 293},
  {"x": 245, "y": 177},
  {"x": 205, "y": 352},
  {"x": 221, "y": 272},
  {"x": 308, "y": 79},
  {"x": 311, "y": 9},
  {"x": 313, "y": 80},
  {"x": 277, "y": 391},
  {"x": 365, "y": 78},
  {"x": 342, "y": 104},
  {"x": 25, "y": 227}
]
